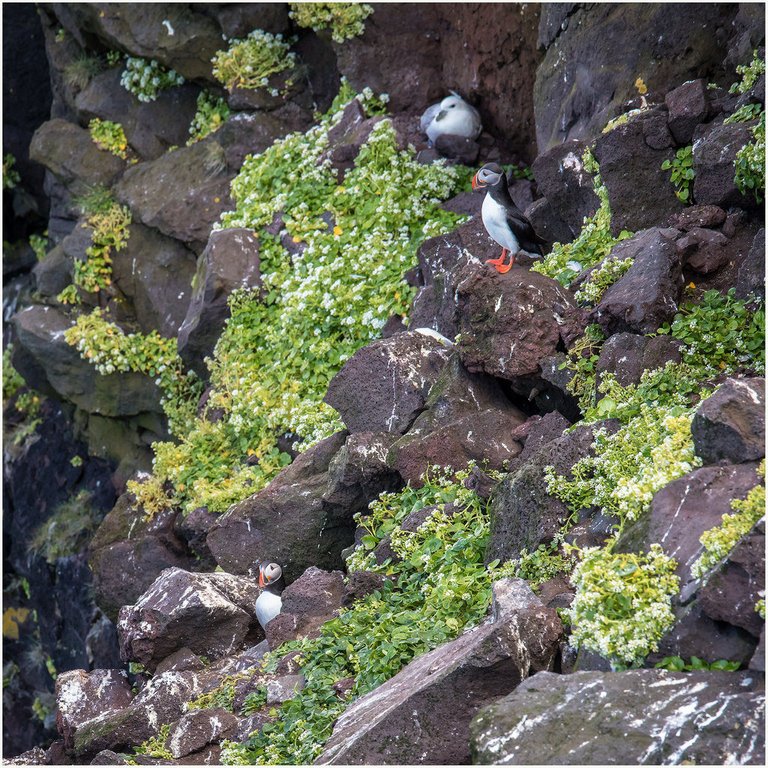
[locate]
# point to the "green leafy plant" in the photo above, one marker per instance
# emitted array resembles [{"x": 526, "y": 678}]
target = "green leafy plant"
[
  {"x": 12, "y": 379},
  {"x": 745, "y": 114},
  {"x": 760, "y": 607},
  {"x": 582, "y": 363},
  {"x": 109, "y": 136},
  {"x": 601, "y": 279},
  {"x": 211, "y": 114},
  {"x": 677, "y": 664},
  {"x": 622, "y": 606},
  {"x": 96, "y": 200},
  {"x": 146, "y": 78},
  {"x": 346, "y": 20},
  {"x": 284, "y": 343},
  {"x": 718, "y": 542},
  {"x": 749, "y": 74},
  {"x": 438, "y": 588},
  {"x": 594, "y": 241},
  {"x": 750, "y": 163},
  {"x": 682, "y": 172},
  {"x": 39, "y": 244},
  {"x": 720, "y": 334},
  {"x": 114, "y": 58},
  {"x": 11, "y": 176},
  {"x": 156, "y": 745},
  {"x": 249, "y": 63}
]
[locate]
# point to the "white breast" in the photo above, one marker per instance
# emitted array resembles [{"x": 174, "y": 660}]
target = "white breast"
[
  {"x": 267, "y": 607},
  {"x": 495, "y": 221}
]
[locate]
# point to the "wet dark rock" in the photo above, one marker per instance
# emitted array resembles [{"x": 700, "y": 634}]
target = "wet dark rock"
[
  {"x": 750, "y": 280},
  {"x": 687, "y": 106},
  {"x": 180, "y": 661},
  {"x": 641, "y": 716},
  {"x": 360, "y": 584},
  {"x": 50, "y": 365},
  {"x": 211, "y": 614},
  {"x": 197, "y": 729},
  {"x": 639, "y": 191},
  {"x": 229, "y": 261},
  {"x": 698, "y": 216},
  {"x": 647, "y": 295},
  {"x": 734, "y": 587},
  {"x": 54, "y": 273},
  {"x": 537, "y": 432},
  {"x": 151, "y": 128},
  {"x": 567, "y": 186},
  {"x": 546, "y": 222},
  {"x": 590, "y": 67},
  {"x": 108, "y": 757},
  {"x": 384, "y": 385},
  {"x": 523, "y": 514},
  {"x": 422, "y": 714},
  {"x": 730, "y": 425},
  {"x": 714, "y": 153},
  {"x": 68, "y": 151},
  {"x": 628, "y": 355},
  {"x": 508, "y": 323},
  {"x": 238, "y": 19},
  {"x": 129, "y": 551},
  {"x": 291, "y": 521},
  {"x": 82, "y": 696},
  {"x": 460, "y": 149},
  {"x": 704, "y": 250},
  {"x": 757, "y": 662}
]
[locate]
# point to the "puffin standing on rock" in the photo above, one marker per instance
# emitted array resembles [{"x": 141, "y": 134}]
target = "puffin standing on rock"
[
  {"x": 269, "y": 603},
  {"x": 451, "y": 116},
  {"x": 503, "y": 220}
]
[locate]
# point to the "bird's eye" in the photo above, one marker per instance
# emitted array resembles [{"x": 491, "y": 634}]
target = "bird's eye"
[{"x": 452, "y": 106}]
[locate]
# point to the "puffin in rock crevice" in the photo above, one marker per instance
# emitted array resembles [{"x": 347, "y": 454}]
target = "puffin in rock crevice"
[
  {"x": 503, "y": 220},
  {"x": 269, "y": 603},
  {"x": 451, "y": 116}
]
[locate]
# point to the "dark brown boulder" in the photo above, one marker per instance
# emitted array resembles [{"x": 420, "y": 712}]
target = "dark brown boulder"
[
  {"x": 730, "y": 425},
  {"x": 199, "y": 728},
  {"x": 750, "y": 280},
  {"x": 704, "y": 250},
  {"x": 687, "y": 106},
  {"x": 509, "y": 323},
  {"x": 639, "y": 191},
  {"x": 422, "y": 714},
  {"x": 385, "y": 384},
  {"x": 637, "y": 717},
  {"x": 647, "y": 295},
  {"x": 698, "y": 216},
  {"x": 628, "y": 356}
]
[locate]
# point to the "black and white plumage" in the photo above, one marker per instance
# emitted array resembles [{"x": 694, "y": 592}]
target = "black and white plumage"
[
  {"x": 269, "y": 603},
  {"x": 503, "y": 220},
  {"x": 451, "y": 116}
]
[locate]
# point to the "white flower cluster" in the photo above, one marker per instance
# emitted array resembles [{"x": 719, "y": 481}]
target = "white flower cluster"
[{"x": 146, "y": 78}]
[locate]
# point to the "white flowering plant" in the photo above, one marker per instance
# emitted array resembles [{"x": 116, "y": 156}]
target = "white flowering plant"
[
  {"x": 251, "y": 62},
  {"x": 146, "y": 78},
  {"x": 623, "y": 603},
  {"x": 345, "y": 20}
]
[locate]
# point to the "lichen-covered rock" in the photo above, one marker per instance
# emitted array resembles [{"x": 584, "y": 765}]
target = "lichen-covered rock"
[
  {"x": 645, "y": 716},
  {"x": 714, "y": 153},
  {"x": 730, "y": 425},
  {"x": 596, "y": 53},
  {"x": 128, "y": 552},
  {"x": 292, "y": 521},
  {"x": 750, "y": 280},
  {"x": 508, "y": 323},
  {"x": 229, "y": 261},
  {"x": 567, "y": 186},
  {"x": 687, "y": 106},
  {"x": 422, "y": 714},
  {"x": 50, "y": 365},
  {"x": 639, "y": 191},
  {"x": 70, "y": 153},
  {"x": 385, "y": 384},
  {"x": 647, "y": 295},
  {"x": 197, "y": 729},
  {"x": 82, "y": 696},
  {"x": 523, "y": 514},
  {"x": 209, "y": 613}
]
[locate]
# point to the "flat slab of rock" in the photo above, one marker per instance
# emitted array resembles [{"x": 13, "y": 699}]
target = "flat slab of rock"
[
  {"x": 421, "y": 716},
  {"x": 384, "y": 385},
  {"x": 198, "y": 728},
  {"x": 644, "y": 717},
  {"x": 209, "y": 613},
  {"x": 730, "y": 425}
]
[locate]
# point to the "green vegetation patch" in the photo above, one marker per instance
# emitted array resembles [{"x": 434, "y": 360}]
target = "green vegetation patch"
[
  {"x": 11, "y": 176},
  {"x": 345, "y": 20},
  {"x": 682, "y": 174},
  {"x": 283, "y": 344},
  {"x": 146, "y": 78},
  {"x": 593, "y": 243},
  {"x": 435, "y": 591},
  {"x": 601, "y": 279},
  {"x": 211, "y": 114},
  {"x": 109, "y": 136},
  {"x": 68, "y": 530},
  {"x": 249, "y": 63}
]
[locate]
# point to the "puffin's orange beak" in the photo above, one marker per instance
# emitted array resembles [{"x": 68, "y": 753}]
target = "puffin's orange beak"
[
  {"x": 474, "y": 182},
  {"x": 261, "y": 579}
]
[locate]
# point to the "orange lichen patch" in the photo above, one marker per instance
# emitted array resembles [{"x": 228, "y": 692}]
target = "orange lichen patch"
[{"x": 12, "y": 619}]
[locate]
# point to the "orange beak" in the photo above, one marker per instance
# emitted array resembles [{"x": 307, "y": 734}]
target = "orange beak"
[
  {"x": 475, "y": 183},
  {"x": 261, "y": 578}
]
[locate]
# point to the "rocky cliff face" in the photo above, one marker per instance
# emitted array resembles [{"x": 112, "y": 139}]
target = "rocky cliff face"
[{"x": 241, "y": 332}]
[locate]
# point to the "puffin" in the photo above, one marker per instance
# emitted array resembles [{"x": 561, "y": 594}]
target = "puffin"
[
  {"x": 269, "y": 603},
  {"x": 451, "y": 116},
  {"x": 503, "y": 220}
]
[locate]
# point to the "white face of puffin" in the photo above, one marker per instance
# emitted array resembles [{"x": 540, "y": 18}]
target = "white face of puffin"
[
  {"x": 485, "y": 177},
  {"x": 269, "y": 573}
]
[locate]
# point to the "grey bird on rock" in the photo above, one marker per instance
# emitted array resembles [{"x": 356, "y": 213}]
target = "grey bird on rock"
[{"x": 451, "y": 116}]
